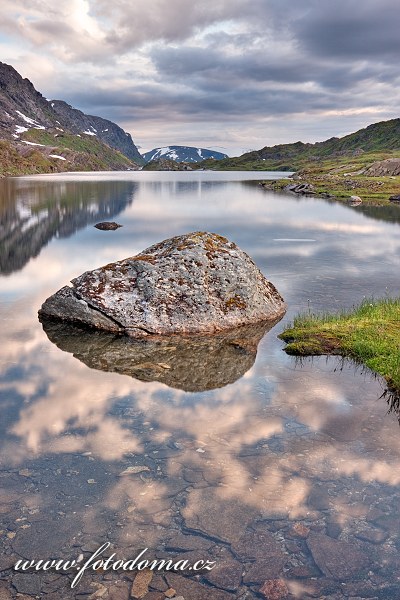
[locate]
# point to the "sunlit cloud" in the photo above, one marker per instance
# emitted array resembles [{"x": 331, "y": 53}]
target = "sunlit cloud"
[{"x": 235, "y": 74}]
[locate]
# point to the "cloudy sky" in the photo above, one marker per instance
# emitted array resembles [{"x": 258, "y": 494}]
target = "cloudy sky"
[{"x": 232, "y": 75}]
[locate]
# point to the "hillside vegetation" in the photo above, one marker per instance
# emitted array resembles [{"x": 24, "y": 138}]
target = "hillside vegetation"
[{"x": 70, "y": 154}]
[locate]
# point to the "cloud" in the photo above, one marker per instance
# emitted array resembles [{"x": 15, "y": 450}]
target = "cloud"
[
  {"x": 215, "y": 65},
  {"x": 133, "y": 24},
  {"x": 346, "y": 30}
]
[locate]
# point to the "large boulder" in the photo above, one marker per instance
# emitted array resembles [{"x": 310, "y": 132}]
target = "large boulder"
[{"x": 194, "y": 283}]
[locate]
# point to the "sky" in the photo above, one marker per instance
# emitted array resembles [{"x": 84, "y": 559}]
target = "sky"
[{"x": 231, "y": 75}]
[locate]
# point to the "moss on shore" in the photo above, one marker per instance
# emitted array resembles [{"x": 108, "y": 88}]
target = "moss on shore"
[{"x": 369, "y": 334}]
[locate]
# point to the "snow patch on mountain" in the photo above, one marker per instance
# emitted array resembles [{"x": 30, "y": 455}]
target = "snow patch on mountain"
[
  {"x": 30, "y": 121},
  {"x": 182, "y": 154},
  {"x": 20, "y": 129}
]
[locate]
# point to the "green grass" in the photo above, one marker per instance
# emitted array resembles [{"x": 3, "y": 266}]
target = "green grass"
[
  {"x": 378, "y": 138},
  {"x": 340, "y": 178},
  {"x": 81, "y": 153},
  {"x": 369, "y": 334},
  {"x": 12, "y": 163}
]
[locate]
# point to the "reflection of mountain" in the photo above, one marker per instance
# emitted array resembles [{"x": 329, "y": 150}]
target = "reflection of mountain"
[
  {"x": 32, "y": 213},
  {"x": 390, "y": 213},
  {"x": 192, "y": 363}
]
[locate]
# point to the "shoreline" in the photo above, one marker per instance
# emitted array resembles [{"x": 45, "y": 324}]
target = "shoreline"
[
  {"x": 371, "y": 191},
  {"x": 368, "y": 334}
]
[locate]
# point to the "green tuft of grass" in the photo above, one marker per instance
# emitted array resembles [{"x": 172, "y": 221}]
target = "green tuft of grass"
[{"x": 369, "y": 334}]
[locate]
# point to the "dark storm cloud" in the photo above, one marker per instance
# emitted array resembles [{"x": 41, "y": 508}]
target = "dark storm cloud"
[
  {"x": 209, "y": 66},
  {"x": 340, "y": 50},
  {"x": 154, "y": 102},
  {"x": 350, "y": 29}
]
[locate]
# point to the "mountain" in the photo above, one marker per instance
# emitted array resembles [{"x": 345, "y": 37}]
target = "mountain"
[
  {"x": 107, "y": 131},
  {"x": 187, "y": 154},
  {"x": 166, "y": 164},
  {"x": 39, "y": 135},
  {"x": 378, "y": 137}
]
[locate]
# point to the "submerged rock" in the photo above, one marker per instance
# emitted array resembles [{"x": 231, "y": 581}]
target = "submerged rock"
[
  {"x": 194, "y": 283},
  {"x": 275, "y": 589},
  {"x": 191, "y": 363},
  {"x": 336, "y": 559}
]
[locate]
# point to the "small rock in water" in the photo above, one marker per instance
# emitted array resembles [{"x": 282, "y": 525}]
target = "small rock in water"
[
  {"x": 140, "y": 585},
  {"x": 274, "y": 589},
  {"x": 354, "y": 201},
  {"x": 107, "y": 225},
  {"x": 134, "y": 469},
  {"x": 395, "y": 199},
  {"x": 300, "y": 530}
]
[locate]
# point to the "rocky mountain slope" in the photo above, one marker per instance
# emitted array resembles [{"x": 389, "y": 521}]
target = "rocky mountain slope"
[
  {"x": 106, "y": 131},
  {"x": 187, "y": 154},
  {"x": 40, "y": 135}
]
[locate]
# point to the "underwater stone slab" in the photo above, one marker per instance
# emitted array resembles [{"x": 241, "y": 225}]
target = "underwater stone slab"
[
  {"x": 220, "y": 519},
  {"x": 337, "y": 559},
  {"x": 194, "y": 283}
]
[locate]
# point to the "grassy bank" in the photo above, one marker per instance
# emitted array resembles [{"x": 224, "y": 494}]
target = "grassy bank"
[
  {"x": 369, "y": 334},
  {"x": 342, "y": 177},
  {"x": 373, "y": 191}
]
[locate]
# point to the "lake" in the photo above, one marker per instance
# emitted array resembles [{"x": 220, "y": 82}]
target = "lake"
[{"x": 285, "y": 473}]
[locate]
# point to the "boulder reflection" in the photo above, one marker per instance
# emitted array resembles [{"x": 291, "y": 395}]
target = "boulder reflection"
[{"x": 189, "y": 363}]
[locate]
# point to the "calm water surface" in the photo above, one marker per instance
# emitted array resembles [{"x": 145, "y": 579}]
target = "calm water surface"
[{"x": 286, "y": 474}]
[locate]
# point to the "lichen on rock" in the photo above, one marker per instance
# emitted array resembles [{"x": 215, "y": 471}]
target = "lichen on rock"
[{"x": 194, "y": 283}]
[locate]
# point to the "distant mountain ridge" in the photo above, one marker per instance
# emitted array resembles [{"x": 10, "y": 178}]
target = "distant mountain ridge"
[
  {"x": 189, "y": 154},
  {"x": 378, "y": 137},
  {"x": 31, "y": 123}
]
